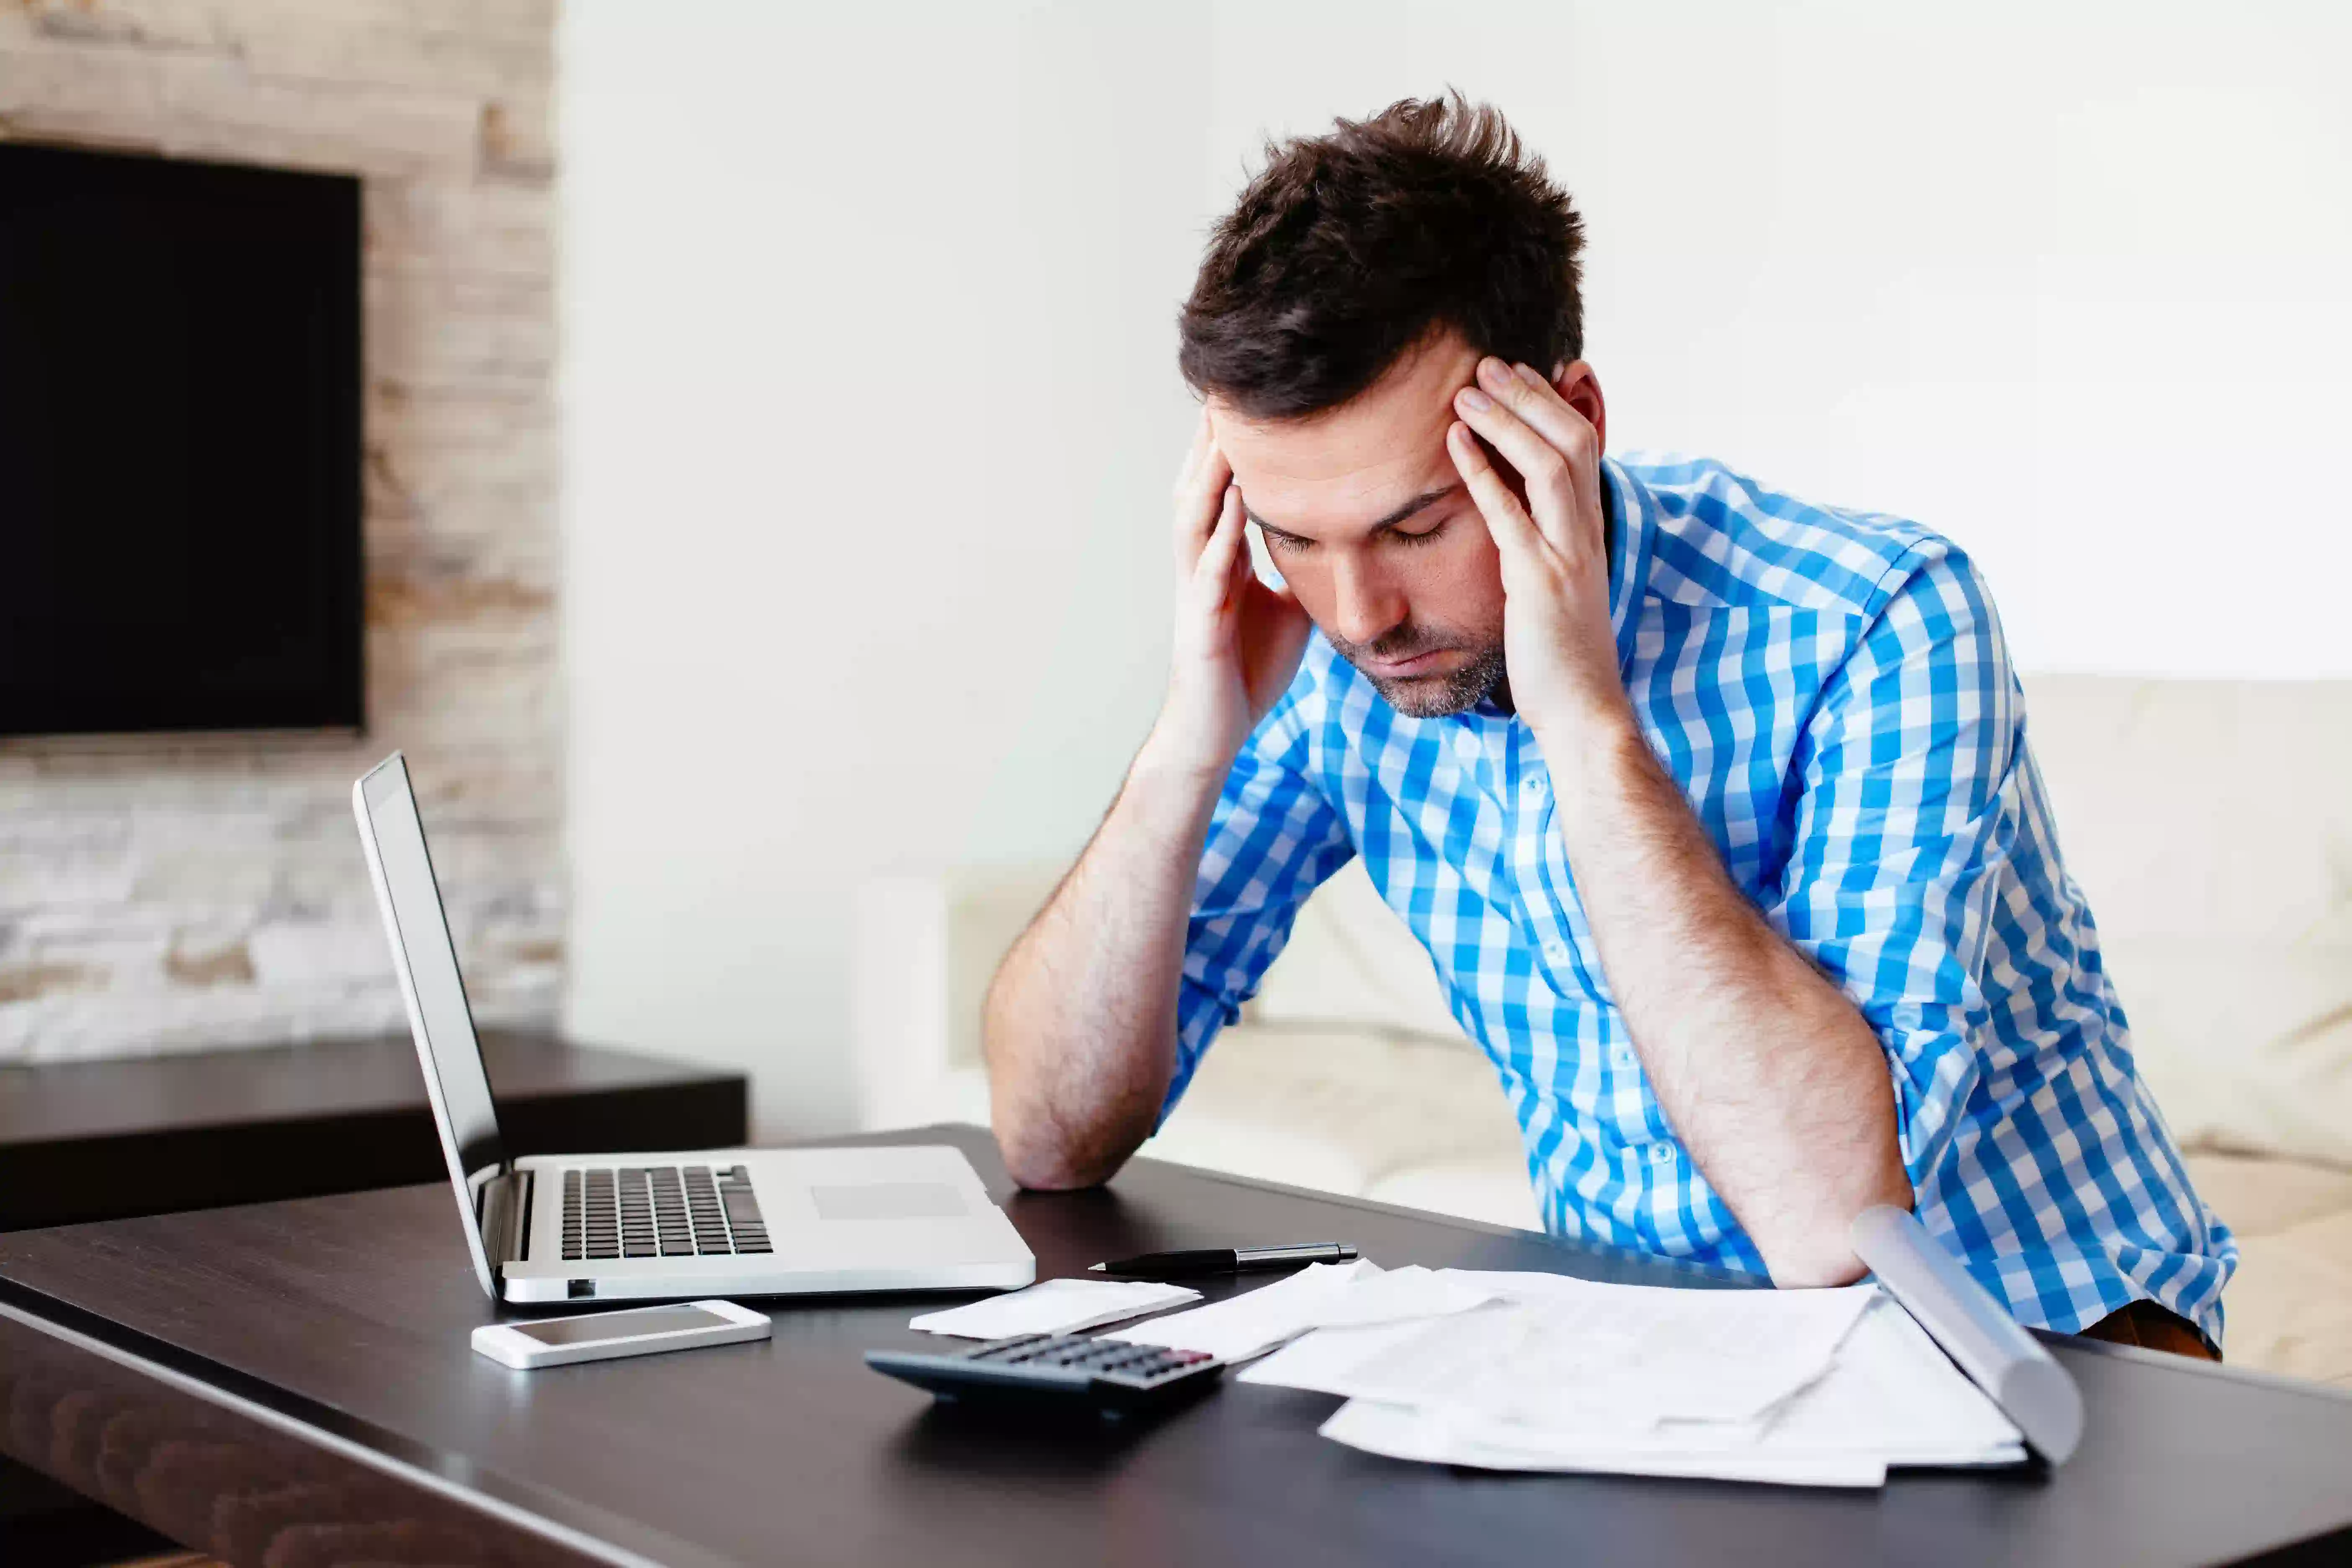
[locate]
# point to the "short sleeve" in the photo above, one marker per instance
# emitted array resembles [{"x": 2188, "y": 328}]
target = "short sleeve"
[
  {"x": 1273, "y": 839},
  {"x": 1906, "y": 816}
]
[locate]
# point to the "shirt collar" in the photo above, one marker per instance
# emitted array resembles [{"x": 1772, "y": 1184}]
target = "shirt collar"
[{"x": 1631, "y": 531}]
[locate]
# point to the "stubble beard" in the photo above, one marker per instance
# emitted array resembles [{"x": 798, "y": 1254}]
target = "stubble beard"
[{"x": 1427, "y": 696}]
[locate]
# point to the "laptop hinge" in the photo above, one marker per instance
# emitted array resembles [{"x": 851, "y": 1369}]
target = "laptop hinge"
[{"x": 505, "y": 1218}]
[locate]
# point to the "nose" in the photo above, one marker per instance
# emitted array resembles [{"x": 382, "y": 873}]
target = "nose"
[{"x": 1366, "y": 604}]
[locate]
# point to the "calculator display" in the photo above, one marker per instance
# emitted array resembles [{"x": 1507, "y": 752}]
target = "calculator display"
[{"x": 618, "y": 1325}]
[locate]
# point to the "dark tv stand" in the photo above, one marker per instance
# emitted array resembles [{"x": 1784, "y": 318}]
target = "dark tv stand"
[{"x": 107, "y": 1139}]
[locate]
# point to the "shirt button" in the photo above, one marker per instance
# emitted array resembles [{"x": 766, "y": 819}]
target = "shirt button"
[
  {"x": 1662, "y": 1153},
  {"x": 1532, "y": 786},
  {"x": 1556, "y": 951},
  {"x": 1623, "y": 1056}
]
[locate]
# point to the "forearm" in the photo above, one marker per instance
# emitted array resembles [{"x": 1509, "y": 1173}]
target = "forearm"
[
  {"x": 1773, "y": 1081},
  {"x": 1079, "y": 1029}
]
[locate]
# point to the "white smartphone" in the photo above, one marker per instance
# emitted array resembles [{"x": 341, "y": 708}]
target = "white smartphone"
[{"x": 598, "y": 1336}]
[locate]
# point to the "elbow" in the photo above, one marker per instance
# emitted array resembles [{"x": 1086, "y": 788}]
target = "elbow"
[
  {"x": 1825, "y": 1262},
  {"x": 1043, "y": 1158},
  {"x": 1817, "y": 1253},
  {"x": 1816, "y": 1257},
  {"x": 1044, "y": 1170},
  {"x": 1056, "y": 1134}
]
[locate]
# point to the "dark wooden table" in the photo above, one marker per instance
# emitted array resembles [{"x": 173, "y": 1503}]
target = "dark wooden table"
[
  {"x": 102, "y": 1139},
  {"x": 291, "y": 1381}
]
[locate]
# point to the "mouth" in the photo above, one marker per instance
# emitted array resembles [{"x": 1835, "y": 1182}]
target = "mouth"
[{"x": 1423, "y": 663}]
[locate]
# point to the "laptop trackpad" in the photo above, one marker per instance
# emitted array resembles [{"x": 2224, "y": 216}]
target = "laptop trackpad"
[{"x": 889, "y": 1200}]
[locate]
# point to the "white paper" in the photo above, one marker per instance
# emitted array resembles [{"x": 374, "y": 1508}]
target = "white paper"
[
  {"x": 1618, "y": 1353},
  {"x": 1400, "y": 1295},
  {"x": 1255, "y": 1320},
  {"x": 1325, "y": 1362},
  {"x": 1525, "y": 1287},
  {"x": 1893, "y": 1391},
  {"x": 1054, "y": 1307},
  {"x": 1887, "y": 1396},
  {"x": 1320, "y": 1295},
  {"x": 1401, "y": 1433}
]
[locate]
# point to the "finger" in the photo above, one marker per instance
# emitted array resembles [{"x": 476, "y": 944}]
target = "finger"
[
  {"x": 1551, "y": 481},
  {"x": 1553, "y": 418},
  {"x": 1213, "y": 576},
  {"x": 1197, "y": 508},
  {"x": 1515, "y": 533},
  {"x": 1244, "y": 566},
  {"x": 1563, "y": 425},
  {"x": 1197, "y": 483}
]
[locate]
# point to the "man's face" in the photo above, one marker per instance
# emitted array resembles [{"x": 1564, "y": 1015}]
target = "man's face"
[{"x": 1367, "y": 519}]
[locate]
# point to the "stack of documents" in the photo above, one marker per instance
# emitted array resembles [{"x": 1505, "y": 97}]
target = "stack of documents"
[{"x": 1542, "y": 1371}]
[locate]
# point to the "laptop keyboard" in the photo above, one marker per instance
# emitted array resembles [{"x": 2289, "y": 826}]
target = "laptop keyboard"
[{"x": 660, "y": 1211}]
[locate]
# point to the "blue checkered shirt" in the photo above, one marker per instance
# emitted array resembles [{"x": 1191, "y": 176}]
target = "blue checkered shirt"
[{"x": 1831, "y": 693}]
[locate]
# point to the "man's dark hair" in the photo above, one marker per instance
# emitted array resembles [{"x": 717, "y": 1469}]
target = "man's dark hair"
[{"x": 1350, "y": 247}]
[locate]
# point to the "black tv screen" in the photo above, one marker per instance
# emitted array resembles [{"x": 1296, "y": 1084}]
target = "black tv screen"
[{"x": 179, "y": 445}]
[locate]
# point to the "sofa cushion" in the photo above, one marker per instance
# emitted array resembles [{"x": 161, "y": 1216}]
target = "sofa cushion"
[
  {"x": 1340, "y": 1111},
  {"x": 2247, "y": 1049},
  {"x": 2289, "y": 1307},
  {"x": 1352, "y": 963},
  {"x": 1336, "y": 1110},
  {"x": 2210, "y": 823},
  {"x": 2260, "y": 1196}
]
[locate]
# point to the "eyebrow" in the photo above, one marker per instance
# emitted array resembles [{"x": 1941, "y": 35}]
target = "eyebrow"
[{"x": 1419, "y": 503}]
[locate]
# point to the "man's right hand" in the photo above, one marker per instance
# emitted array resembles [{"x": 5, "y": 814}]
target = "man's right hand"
[
  {"x": 1079, "y": 1026},
  {"x": 1238, "y": 642}
]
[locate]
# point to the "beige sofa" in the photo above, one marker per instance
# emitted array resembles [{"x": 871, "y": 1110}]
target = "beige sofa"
[{"x": 2210, "y": 822}]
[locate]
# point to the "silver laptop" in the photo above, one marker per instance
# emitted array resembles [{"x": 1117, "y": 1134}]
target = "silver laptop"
[{"x": 702, "y": 1222}]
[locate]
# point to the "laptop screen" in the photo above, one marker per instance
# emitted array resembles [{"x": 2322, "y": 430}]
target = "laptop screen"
[{"x": 443, "y": 1022}]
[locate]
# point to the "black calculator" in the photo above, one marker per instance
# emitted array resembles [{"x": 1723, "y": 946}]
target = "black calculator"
[{"x": 1068, "y": 1371}]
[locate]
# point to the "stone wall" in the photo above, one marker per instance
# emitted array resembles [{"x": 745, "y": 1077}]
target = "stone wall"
[{"x": 160, "y": 894}]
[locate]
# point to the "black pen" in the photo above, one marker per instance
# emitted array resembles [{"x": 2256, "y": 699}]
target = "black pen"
[{"x": 1225, "y": 1261}]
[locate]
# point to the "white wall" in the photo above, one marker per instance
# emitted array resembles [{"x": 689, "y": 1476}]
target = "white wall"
[
  {"x": 2071, "y": 282},
  {"x": 871, "y": 404},
  {"x": 870, "y": 426}
]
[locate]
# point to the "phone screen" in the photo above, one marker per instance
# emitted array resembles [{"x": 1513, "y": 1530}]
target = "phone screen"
[{"x": 618, "y": 1325}]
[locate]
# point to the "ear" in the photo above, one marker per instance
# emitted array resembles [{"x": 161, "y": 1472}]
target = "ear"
[{"x": 1580, "y": 388}]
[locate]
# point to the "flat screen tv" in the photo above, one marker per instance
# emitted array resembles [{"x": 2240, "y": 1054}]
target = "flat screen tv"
[{"x": 180, "y": 486}]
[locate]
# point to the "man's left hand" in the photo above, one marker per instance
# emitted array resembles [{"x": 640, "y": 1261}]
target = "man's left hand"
[{"x": 1557, "y": 640}]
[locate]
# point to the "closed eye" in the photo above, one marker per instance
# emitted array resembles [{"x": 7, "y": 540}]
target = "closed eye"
[{"x": 1282, "y": 544}]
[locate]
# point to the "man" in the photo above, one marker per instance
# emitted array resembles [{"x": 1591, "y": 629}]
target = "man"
[{"x": 1713, "y": 808}]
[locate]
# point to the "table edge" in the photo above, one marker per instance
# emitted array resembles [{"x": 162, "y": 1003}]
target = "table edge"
[{"x": 518, "y": 1505}]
